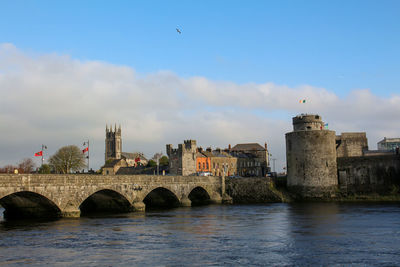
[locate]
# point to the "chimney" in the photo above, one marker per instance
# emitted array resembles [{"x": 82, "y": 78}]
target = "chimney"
[
  {"x": 229, "y": 147},
  {"x": 265, "y": 145}
]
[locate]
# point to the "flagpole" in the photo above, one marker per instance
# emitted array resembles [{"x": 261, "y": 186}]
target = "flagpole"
[
  {"x": 88, "y": 153},
  {"x": 42, "y": 155},
  {"x": 88, "y": 150}
]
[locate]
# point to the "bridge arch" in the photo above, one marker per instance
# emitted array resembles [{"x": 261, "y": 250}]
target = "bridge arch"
[
  {"x": 105, "y": 200},
  {"x": 161, "y": 197},
  {"x": 77, "y": 198},
  {"x": 28, "y": 204},
  {"x": 199, "y": 196}
]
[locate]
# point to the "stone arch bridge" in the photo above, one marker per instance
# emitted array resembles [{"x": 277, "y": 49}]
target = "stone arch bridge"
[{"x": 70, "y": 195}]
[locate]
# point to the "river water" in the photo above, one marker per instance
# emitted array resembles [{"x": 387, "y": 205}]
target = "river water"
[{"x": 316, "y": 234}]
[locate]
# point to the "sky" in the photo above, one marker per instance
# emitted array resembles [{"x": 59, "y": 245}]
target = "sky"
[{"x": 235, "y": 74}]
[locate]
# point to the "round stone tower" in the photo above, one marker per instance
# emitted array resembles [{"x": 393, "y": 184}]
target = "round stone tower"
[{"x": 311, "y": 158}]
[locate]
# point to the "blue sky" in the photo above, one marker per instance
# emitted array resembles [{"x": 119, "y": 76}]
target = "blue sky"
[
  {"x": 338, "y": 45},
  {"x": 233, "y": 60}
]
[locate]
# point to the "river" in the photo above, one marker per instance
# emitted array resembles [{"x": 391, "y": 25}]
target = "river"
[{"x": 306, "y": 234}]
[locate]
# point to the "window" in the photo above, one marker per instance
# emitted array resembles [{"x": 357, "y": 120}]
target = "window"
[
  {"x": 204, "y": 165},
  {"x": 199, "y": 165},
  {"x": 207, "y": 165}
]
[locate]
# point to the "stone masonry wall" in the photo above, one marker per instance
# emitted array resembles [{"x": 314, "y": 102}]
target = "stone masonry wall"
[
  {"x": 351, "y": 144},
  {"x": 311, "y": 162},
  {"x": 252, "y": 190},
  {"x": 67, "y": 192},
  {"x": 369, "y": 174},
  {"x": 188, "y": 163}
]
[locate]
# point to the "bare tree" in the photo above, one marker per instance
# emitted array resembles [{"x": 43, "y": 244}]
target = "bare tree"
[
  {"x": 26, "y": 166},
  {"x": 67, "y": 159}
]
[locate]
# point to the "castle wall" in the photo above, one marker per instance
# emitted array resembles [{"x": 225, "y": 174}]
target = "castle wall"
[
  {"x": 371, "y": 174},
  {"x": 175, "y": 164},
  {"x": 183, "y": 159},
  {"x": 311, "y": 162},
  {"x": 351, "y": 144},
  {"x": 189, "y": 162}
]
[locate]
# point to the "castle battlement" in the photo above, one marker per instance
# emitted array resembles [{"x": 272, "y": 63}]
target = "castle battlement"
[{"x": 307, "y": 122}]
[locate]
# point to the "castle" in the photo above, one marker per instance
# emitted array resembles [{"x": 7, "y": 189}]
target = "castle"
[
  {"x": 320, "y": 164},
  {"x": 311, "y": 156},
  {"x": 182, "y": 161}
]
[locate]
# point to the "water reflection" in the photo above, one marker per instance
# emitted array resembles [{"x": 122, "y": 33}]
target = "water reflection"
[{"x": 256, "y": 235}]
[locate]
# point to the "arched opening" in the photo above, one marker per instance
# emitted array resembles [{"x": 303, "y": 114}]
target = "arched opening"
[
  {"x": 105, "y": 201},
  {"x": 199, "y": 196},
  {"x": 27, "y": 204},
  {"x": 160, "y": 198}
]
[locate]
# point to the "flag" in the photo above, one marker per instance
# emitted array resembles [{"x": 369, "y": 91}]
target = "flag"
[
  {"x": 137, "y": 159},
  {"x": 326, "y": 125},
  {"x": 85, "y": 150},
  {"x": 39, "y": 154},
  {"x": 302, "y": 101}
]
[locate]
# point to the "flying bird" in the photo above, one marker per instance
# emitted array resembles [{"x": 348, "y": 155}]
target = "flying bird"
[{"x": 178, "y": 30}]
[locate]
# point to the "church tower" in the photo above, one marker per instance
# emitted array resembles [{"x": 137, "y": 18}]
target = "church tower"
[{"x": 113, "y": 143}]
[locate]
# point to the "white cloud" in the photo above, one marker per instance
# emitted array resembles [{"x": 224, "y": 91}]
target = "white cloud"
[{"x": 56, "y": 100}]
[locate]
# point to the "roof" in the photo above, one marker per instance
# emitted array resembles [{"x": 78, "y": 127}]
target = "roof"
[
  {"x": 245, "y": 155},
  {"x": 389, "y": 140},
  {"x": 247, "y": 147},
  {"x": 215, "y": 153},
  {"x": 200, "y": 155},
  {"x": 140, "y": 170},
  {"x": 133, "y": 155}
]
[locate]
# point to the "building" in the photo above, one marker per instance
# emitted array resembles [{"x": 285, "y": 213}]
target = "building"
[
  {"x": 389, "y": 144},
  {"x": 221, "y": 162},
  {"x": 134, "y": 159},
  {"x": 243, "y": 159},
  {"x": 203, "y": 163},
  {"x": 320, "y": 164},
  {"x": 113, "y": 148},
  {"x": 252, "y": 159},
  {"x": 112, "y": 166},
  {"x": 182, "y": 160},
  {"x": 311, "y": 157},
  {"x": 114, "y": 154}
]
